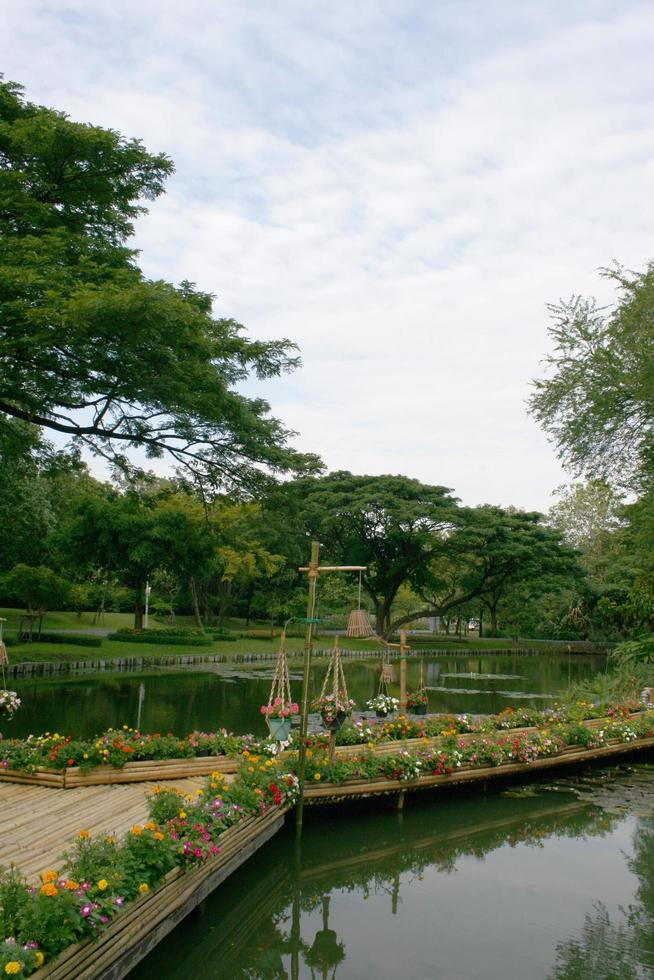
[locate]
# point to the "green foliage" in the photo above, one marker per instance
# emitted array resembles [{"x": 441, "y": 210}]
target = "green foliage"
[
  {"x": 113, "y": 359},
  {"x": 71, "y": 639},
  {"x": 596, "y": 403},
  {"x": 37, "y": 588}
]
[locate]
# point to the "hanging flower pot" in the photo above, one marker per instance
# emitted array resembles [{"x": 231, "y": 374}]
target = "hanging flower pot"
[
  {"x": 383, "y": 705},
  {"x": 280, "y": 709},
  {"x": 279, "y": 728},
  {"x": 333, "y": 709},
  {"x": 417, "y": 702},
  {"x": 334, "y": 723}
]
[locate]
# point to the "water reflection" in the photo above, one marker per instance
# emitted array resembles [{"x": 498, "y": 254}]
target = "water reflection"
[
  {"x": 230, "y": 696},
  {"x": 499, "y": 886}
]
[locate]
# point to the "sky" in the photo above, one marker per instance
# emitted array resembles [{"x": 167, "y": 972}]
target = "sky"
[{"x": 399, "y": 187}]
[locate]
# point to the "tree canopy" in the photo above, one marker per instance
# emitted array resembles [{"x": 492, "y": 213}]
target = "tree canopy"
[
  {"x": 91, "y": 348},
  {"x": 597, "y": 401}
]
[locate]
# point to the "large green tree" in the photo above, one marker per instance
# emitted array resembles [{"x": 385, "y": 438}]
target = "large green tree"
[
  {"x": 393, "y": 525},
  {"x": 91, "y": 348},
  {"x": 597, "y": 400}
]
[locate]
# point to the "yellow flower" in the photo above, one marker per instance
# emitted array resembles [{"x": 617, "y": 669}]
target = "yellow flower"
[
  {"x": 158, "y": 835},
  {"x": 110, "y": 840},
  {"x": 150, "y": 826},
  {"x": 103, "y": 884},
  {"x": 268, "y": 762},
  {"x": 143, "y": 888},
  {"x": 136, "y": 830},
  {"x": 12, "y": 967},
  {"x": 182, "y": 814},
  {"x": 371, "y": 745},
  {"x": 309, "y": 753},
  {"x": 49, "y": 876},
  {"x": 317, "y": 775},
  {"x": 85, "y": 756},
  {"x": 250, "y": 768},
  {"x": 156, "y": 790},
  {"x": 50, "y": 890},
  {"x": 39, "y": 958},
  {"x": 72, "y": 885},
  {"x": 83, "y": 834}
]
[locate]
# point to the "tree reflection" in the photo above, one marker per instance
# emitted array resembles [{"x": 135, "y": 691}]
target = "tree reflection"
[{"x": 622, "y": 949}]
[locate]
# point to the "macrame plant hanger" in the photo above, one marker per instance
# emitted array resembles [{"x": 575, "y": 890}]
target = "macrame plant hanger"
[
  {"x": 335, "y": 677},
  {"x": 281, "y": 686},
  {"x": 358, "y": 624}
]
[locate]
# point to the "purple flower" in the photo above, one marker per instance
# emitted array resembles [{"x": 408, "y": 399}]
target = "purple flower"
[
  {"x": 86, "y": 910},
  {"x": 119, "y": 901}
]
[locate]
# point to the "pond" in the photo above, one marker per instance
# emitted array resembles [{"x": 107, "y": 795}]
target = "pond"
[
  {"x": 223, "y": 696},
  {"x": 554, "y": 881}
]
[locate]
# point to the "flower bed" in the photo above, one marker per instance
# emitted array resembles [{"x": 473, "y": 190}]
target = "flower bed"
[{"x": 100, "y": 876}]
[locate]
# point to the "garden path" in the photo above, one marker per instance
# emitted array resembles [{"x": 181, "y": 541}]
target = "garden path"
[{"x": 38, "y": 824}]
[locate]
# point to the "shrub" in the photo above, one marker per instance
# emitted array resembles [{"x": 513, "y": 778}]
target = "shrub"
[
  {"x": 74, "y": 639},
  {"x": 160, "y": 637}
]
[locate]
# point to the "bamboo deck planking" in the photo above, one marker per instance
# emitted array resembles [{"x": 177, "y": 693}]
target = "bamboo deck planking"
[{"x": 37, "y": 823}]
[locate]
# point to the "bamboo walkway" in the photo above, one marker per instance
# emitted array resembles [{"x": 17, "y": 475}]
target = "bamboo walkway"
[{"x": 37, "y": 824}]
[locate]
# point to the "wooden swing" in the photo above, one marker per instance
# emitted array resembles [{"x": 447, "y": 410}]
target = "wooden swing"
[{"x": 358, "y": 624}]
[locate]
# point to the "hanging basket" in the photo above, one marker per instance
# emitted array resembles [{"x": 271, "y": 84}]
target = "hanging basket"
[
  {"x": 280, "y": 709},
  {"x": 334, "y": 704},
  {"x": 334, "y": 724},
  {"x": 279, "y": 728},
  {"x": 358, "y": 625}
]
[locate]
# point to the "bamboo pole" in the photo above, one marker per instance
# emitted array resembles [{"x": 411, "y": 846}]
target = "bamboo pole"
[
  {"x": 403, "y": 652},
  {"x": 308, "y": 644}
]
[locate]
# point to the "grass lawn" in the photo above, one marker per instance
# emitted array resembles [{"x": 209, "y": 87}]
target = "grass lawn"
[{"x": 69, "y": 620}]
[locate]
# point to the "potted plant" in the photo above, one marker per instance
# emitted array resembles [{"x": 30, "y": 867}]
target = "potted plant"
[
  {"x": 279, "y": 717},
  {"x": 9, "y": 703},
  {"x": 334, "y": 709},
  {"x": 417, "y": 701},
  {"x": 383, "y": 704}
]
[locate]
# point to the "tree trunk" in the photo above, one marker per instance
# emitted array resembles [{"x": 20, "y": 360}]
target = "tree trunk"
[
  {"x": 481, "y": 622},
  {"x": 196, "y": 607},
  {"x": 493, "y": 620},
  {"x": 138, "y": 609}
]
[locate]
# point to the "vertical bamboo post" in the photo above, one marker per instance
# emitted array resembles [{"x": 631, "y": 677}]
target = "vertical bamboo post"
[
  {"x": 403, "y": 651},
  {"x": 308, "y": 640}
]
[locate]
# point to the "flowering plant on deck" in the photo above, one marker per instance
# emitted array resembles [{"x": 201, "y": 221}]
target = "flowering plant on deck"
[{"x": 9, "y": 703}]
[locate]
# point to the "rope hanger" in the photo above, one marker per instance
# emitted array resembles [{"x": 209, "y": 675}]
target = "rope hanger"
[{"x": 335, "y": 674}]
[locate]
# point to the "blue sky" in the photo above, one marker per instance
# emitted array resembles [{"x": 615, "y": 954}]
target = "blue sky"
[{"x": 400, "y": 188}]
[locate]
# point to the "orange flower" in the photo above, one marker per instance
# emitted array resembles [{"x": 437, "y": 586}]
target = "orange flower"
[
  {"x": 50, "y": 890},
  {"x": 83, "y": 834},
  {"x": 136, "y": 830},
  {"x": 49, "y": 876},
  {"x": 72, "y": 885},
  {"x": 158, "y": 835}
]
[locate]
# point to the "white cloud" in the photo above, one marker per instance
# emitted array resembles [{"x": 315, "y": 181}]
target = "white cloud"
[{"x": 400, "y": 188}]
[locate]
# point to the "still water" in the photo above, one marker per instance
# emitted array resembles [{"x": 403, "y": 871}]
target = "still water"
[
  {"x": 230, "y": 697},
  {"x": 554, "y": 881}
]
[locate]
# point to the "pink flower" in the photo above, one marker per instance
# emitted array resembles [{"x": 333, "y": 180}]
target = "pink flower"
[{"x": 86, "y": 910}]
